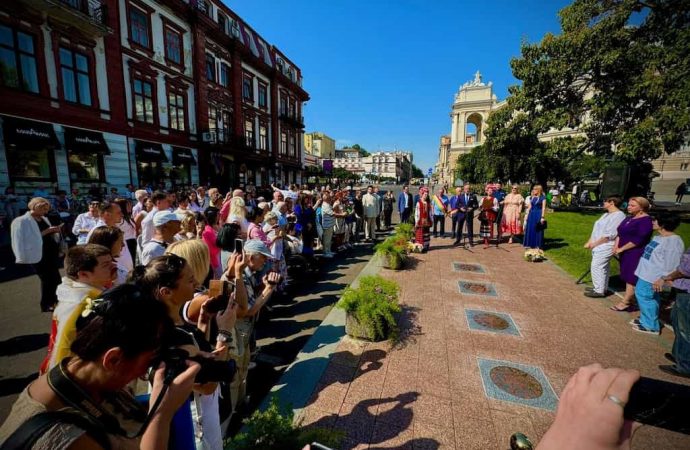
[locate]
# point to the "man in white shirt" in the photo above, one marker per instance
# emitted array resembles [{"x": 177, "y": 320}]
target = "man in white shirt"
[
  {"x": 141, "y": 196},
  {"x": 370, "y": 208},
  {"x": 601, "y": 243},
  {"x": 85, "y": 222},
  {"x": 166, "y": 226},
  {"x": 160, "y": 203}
]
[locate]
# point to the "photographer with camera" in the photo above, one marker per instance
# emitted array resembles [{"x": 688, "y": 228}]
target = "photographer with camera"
[
  {"x": 172, "y": 281},
  {"x": 82, "y": 403}
]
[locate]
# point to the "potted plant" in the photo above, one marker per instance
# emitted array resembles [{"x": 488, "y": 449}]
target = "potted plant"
[
  {"x": 406, "y": 230},
  {"x": 393, "y": 250},
  {"x": 371, "y": 308}
]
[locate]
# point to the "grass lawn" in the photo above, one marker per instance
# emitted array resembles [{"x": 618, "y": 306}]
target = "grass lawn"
[{"x": 568, "y": 232}]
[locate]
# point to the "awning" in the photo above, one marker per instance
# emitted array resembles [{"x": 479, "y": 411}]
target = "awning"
[
  {"x": 149, "y": 151},
  {"x": 27, "y": 134},
  {"x": 182, "y": 156},
  {"x": 85, "y": 142}
]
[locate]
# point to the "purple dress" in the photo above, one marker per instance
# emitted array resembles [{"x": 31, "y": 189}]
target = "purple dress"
[{"x": 639, "y": 232}]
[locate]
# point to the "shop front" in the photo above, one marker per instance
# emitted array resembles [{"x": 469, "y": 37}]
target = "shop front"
[
  {"x": 85, "y": 155},
  {"x": 153, "y": 169},
  {"x": 30, "y": 153},
  {"x": 182, "y": 162}
]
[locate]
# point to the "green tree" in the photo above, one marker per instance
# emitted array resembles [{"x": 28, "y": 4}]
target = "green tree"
[
  {"x": 343, "y": 174},
  {"x": 362, "y": 150},
  {"x": 417, "y": 172},
  {"x": 618, "y": 72}
]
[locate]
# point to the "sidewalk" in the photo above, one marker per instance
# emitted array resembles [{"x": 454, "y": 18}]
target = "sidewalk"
[{"x": 477, "y": 366}]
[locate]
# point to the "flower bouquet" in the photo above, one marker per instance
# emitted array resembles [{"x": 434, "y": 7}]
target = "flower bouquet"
[{"x": 534, "y": 255}]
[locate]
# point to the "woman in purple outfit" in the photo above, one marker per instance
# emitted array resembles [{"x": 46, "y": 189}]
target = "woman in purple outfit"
[{"x": 634, "y": 233}]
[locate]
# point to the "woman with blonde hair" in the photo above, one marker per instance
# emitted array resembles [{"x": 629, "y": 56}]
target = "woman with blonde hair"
[
  {"x": 238, "y": 214},
  {"x": 634, "y": 233},
  {"x": 187, "y": 227},
  {"x": 535, "y": 223},
  {"x": 195, "y": 252},
  {"x": 36, "y": 241},
  {"x": 512, "y": 207}
]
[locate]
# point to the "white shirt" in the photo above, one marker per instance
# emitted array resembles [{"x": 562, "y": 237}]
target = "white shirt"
[
  {"x": 27, "y": 242},
  {"x": 84, "y": 221},
  {"x": 147, "y": 228},
  {"x": 151, "y": 250},
  {"x": 607, "y": 226},
  {"x": 661, "y": 257},
  {"x": 125, "y": 259}
]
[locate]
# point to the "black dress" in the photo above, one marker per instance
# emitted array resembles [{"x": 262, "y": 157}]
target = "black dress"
[{"x": 48, "y": 268}]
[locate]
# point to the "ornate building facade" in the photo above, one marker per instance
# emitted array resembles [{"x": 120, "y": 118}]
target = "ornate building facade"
[{"x": 102, "y": 93}]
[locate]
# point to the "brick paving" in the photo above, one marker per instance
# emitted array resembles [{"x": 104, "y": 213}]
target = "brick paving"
[{"x": 428, "y": 392}]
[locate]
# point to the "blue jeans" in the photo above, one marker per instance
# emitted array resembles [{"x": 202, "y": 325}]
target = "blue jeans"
[
  {"x": 648, "y": 301},
  {"x": 680, "y": 318}
]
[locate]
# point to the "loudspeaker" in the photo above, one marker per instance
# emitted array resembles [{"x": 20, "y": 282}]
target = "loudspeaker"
[{"x": 615, "y": 181}]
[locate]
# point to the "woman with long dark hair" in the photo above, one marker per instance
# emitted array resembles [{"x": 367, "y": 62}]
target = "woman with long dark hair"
[
  {"x": 118, "y": 337},
  {"x": 423, "y": 218}
]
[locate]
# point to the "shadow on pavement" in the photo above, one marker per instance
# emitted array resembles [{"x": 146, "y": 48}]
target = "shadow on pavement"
[
  {"x": 23, "y": 344},
  {"x": 10, "y": 386}
]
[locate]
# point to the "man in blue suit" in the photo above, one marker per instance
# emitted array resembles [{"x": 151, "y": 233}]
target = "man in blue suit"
[
  {"x": 466, "y": 203},
  {"x": 457, "y": 215},
  {"x": 405, "y": 204}
]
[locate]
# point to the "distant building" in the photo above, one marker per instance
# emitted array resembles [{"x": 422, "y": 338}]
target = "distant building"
[
  {"x": 320, "y": 145},
  {"x": 394, "y": 164}
]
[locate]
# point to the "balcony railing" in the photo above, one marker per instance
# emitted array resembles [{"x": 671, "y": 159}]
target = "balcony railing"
[{"x": 94, "y": 9}]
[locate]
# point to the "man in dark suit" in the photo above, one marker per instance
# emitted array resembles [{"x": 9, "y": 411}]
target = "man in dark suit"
[
  {"x": 466, "y": 203},
  {"x": 405, "y": 204}
]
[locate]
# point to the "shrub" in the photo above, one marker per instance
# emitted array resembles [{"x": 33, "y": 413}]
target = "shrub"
[
  {"x": 274, "y": 430},
  {"x": 394, "y": 249},
  {"x": 373, "y": 304},
  {"x": 406, "y": 230}
]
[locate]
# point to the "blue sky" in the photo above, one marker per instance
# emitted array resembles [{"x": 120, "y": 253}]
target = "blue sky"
[{"x": 382, "y": 73}]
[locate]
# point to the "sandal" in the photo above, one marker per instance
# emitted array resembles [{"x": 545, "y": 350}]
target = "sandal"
[{"x": 627, "y": 308}]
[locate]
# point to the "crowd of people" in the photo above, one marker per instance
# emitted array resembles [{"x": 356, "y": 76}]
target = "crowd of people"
[
  {"x": 499, "y": 213},
  {"x": 652, "y": 259},
  {"x": 192, "y": 271}
]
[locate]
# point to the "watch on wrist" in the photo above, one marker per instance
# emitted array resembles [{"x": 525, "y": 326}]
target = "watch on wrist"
[{"x": 224, "y": 337}]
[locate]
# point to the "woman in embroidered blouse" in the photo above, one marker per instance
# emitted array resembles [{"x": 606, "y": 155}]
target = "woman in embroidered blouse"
[
  {"x": 423, "y": 218},
  {"x": 487, "y": 216},
  {"x": 512, "y": 207}
]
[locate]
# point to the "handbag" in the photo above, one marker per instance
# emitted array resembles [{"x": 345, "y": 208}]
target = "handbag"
[{"x": 542, "y": 225}]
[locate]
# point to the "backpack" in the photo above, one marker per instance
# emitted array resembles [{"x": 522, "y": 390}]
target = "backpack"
[{"x": 30, "y": 431}]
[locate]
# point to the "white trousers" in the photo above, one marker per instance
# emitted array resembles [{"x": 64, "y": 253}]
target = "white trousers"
[
  {"x": 601, "y": 256},
  {"x": 370, "y": 227}
]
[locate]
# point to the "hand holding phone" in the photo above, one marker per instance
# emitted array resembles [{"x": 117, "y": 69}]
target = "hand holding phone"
[{"x": 239, "y": 246}]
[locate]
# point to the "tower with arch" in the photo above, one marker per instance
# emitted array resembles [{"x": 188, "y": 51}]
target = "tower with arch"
[{"x": 473, "y": 103}]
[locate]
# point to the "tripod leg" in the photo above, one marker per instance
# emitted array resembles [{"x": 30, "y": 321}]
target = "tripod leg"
[{"x": 582, "y": 277}]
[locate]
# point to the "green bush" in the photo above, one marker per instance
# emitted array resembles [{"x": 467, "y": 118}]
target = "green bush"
[
  {"x": 374, "y": 304},
  {"x": 406, "y": 230},
  {"x": 274, "y": 430},
  {"x": 394, "y": 249}
]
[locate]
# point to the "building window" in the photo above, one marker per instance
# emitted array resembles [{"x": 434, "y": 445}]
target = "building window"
[
  {"x": 224, "y": 74},
  {"x": 210, "y": 68},
  {"x": 139, "y": 27},
  {"x": 263, "y": 96},
  {"x": 222, "y": 23},
  {"x": 292, "y": 108},
  {"x": 85, "y": 167},
  {"x": 249, "y": 132},
  {"x": 293, "y": 147},
  {"x": 219, "y": 124},
  {"x": 283, "y": 106},
  {"x": 176, "y": 109},
  {"x": 143, "y": 101},
  {"x": 76, "y": 84},
  {"x": 263, "y": 136},
  {"x": 18, "y": 67},
  {"x": 173, "y": 46},
  {"x": 283, "y": 143},
  {"x": 247, "y": 88},
  {"x": 31, "y": 164}
]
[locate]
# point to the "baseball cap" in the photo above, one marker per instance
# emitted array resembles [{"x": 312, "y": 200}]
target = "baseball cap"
[
  {"x": 257, "y": 246},
  {"x": 163, "y": 217}
]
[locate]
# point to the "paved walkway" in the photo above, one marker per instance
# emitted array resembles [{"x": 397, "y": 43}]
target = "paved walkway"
[{"x": 480, "y": 361}]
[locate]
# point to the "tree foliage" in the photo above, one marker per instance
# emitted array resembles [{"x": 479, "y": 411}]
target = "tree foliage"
[
  {"x": 417, "y": 172},
  {"x": 617, "y": 72}
]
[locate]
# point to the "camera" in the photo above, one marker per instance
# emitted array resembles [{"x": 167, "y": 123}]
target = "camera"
[{"x": 212, "y": 371}]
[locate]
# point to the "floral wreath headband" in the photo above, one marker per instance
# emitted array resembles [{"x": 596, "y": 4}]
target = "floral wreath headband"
[{"x": 91, "y": 305}]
